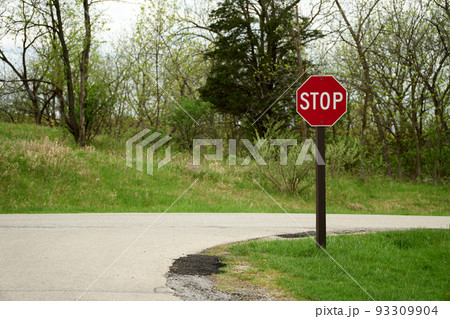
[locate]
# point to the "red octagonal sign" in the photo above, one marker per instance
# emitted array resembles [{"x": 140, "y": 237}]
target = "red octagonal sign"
[{"x": 321, "y": 100}]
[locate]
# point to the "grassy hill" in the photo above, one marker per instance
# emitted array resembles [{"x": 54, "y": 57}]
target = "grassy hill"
[{"x": 43, "y": 171}]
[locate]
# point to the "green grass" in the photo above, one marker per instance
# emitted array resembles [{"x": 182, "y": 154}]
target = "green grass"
[
  {"x": 401, "y": 265},
  {"x": 43, "y": 171}
]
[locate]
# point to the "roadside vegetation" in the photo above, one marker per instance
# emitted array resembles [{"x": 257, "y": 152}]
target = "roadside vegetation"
[
  {"x": 43, "y": 170},
  {"x": 225, "y": 70},
  {"x": 230, "y": 69},
  {"x": 399, "y": 265}
]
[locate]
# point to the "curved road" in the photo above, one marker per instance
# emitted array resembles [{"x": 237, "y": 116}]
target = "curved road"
[{"x": 126, "y": 256}]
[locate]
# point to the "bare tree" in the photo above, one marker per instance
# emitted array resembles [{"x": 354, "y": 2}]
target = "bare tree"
[
  {"x": 22, "y": 21},
  {"x": 362, "y": 43}
]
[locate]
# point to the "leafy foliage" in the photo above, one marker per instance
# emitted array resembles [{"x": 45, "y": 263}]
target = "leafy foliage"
[
  {"x": 253, "y": 59},
  {"x": 184, "y": 129},
  {"x": 343, "y": 155}
]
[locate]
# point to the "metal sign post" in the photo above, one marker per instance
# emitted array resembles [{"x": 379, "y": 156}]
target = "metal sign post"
[{"x": 321, "y": 233}]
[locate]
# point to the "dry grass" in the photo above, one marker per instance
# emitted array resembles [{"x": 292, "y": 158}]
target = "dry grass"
[
  {"x": 36, "y": 153},
  {"x": 356, "y": 206},
  {"x": 44, "y": 153},
  {"x": 243, "y": 278},
  {"x": 42, "y": 170}
]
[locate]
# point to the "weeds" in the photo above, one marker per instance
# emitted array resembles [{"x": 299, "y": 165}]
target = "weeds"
[{"x": 41, "y": 170}]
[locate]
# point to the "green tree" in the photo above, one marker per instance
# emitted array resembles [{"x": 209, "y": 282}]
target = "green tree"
[{"x": 254, "y": 59}]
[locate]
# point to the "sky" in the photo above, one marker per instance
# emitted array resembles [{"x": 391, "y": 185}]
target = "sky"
[{"x": 120, "y": 15}]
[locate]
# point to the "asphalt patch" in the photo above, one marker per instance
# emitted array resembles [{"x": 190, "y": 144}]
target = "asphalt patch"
[
  {"x": 298, "y": 235},
  {"x": 197, "y": 265}
]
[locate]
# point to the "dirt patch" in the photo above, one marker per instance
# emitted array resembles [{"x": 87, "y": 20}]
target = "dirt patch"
[
  {"x": 329, "y": 233},
  {"x": 192, "y": 278},
  {"x": 197, "y": 265},
  {"x": 195, "y": 288}
]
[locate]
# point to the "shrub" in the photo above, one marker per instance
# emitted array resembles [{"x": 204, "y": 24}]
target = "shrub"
[
  {"x": 184, "y": 129},
  {"x": 343, "y": 155},
  {"x": 286, "y": 178}
]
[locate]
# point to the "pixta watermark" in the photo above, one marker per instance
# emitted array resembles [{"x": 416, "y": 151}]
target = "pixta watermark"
[
  {"x": 308, "y": 151},
  {"x": 146, "y": 142}
]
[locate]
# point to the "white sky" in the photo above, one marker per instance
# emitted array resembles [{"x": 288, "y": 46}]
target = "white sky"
[
  {"x": 122, "y": 13},
  {"x": 119, "y": 15}
]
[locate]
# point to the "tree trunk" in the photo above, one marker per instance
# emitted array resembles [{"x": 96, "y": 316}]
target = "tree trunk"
[
  {"x": 399, "y": 163},
  {"x": 384, "y": 147},
  {"x": 84, "y": 68},
  {"x": 36, "y": 112},
  {"x": 158, "y": 95},
  {"x": 73, "y": 123},
  {"x": 416, "y": 130},
  {"x": 417, "y": 159},
  {"x": 436, "y": 154},
  {"x": 362, "y": 175},
  {"x": 301, "y": 71}
]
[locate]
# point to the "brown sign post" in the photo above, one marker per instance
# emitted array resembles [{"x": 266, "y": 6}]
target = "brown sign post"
[
  {"x": 321, "y": 207},
  {"x": 321, "y": 101}
]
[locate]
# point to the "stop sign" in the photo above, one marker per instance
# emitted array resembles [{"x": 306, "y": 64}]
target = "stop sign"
[{"x": 321, "y": 100}]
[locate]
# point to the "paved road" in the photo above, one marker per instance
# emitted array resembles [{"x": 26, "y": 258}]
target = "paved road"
[{"x": 58, "y": 256}]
